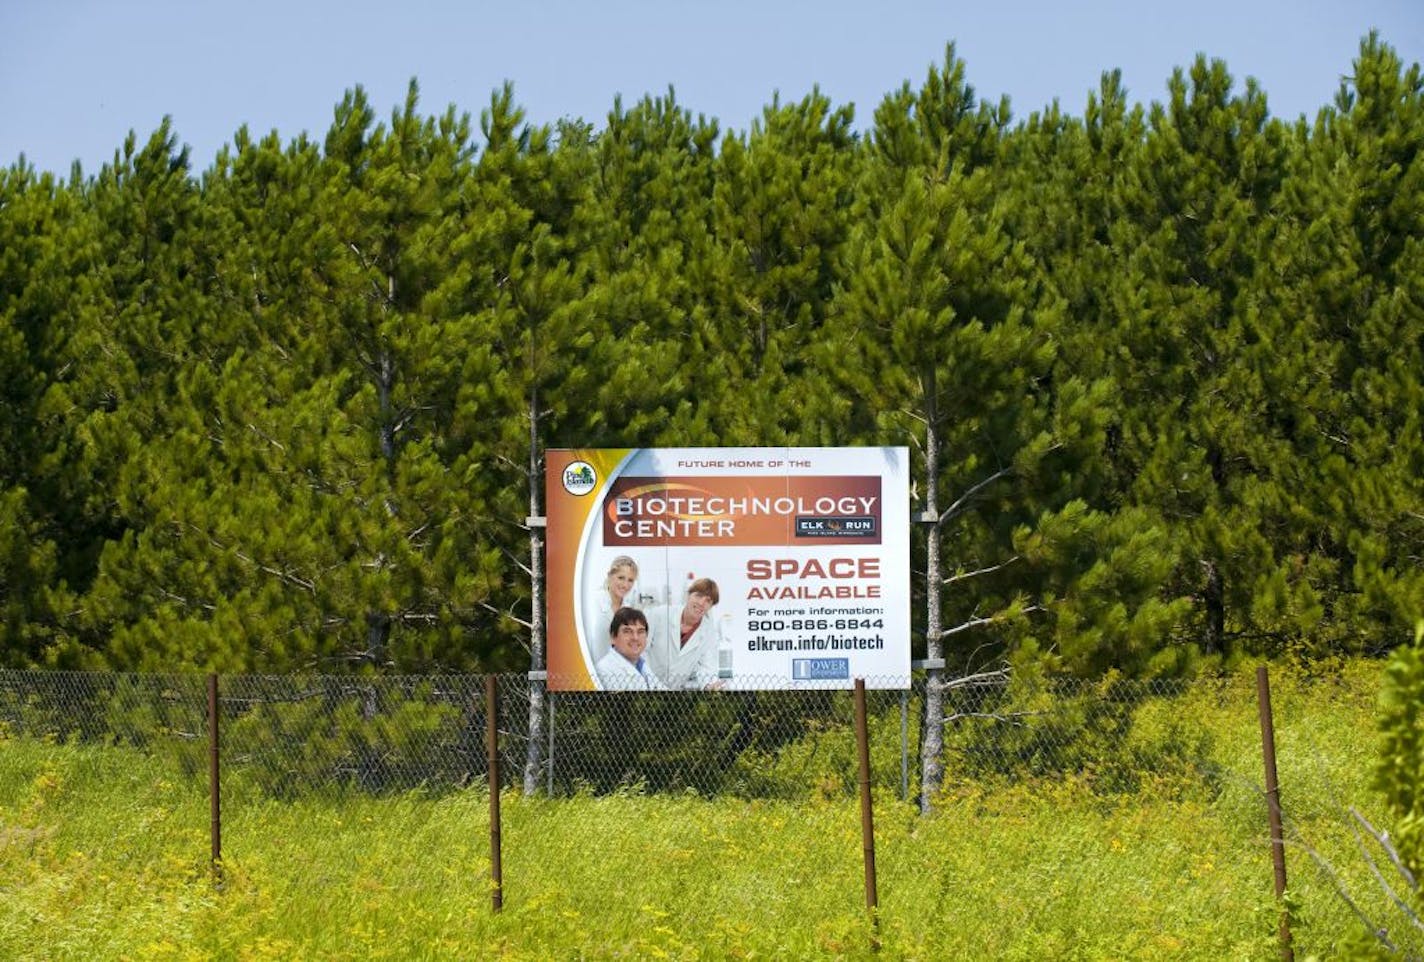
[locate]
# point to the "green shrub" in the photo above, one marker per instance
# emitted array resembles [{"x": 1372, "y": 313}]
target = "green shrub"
[
  {"x": 1399, "y": 776},
  {"x": 1400, "y": 772},
  {"x": 347, "y": 739},
  {"x": 824, "y": 762},
  {"x": 1115, "y": 734}
]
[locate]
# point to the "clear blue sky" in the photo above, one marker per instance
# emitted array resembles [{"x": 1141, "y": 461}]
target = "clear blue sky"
[{"x": 77, "y": 75}]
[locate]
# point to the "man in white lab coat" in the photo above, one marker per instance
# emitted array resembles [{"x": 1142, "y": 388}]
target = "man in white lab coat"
[
  {"x": 683, "y": 639},
  {"x": 624, "y": 668}
]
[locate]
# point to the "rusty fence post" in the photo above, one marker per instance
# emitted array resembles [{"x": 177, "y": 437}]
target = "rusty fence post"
[
  {"x": 1273, "y": 803},
  {"x": 867, "y": 813},
  {"x": 492, "y": 750},
  {"x": 214, "y": 779}
]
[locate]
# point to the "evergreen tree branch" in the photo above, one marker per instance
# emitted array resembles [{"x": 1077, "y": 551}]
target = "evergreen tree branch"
[
  {"x": 991, "y": 619},
  {"x": 969, "y": 661},
  {"x": 185, "y": 602},
  {"x": 507, "y": 614},
  {"x": 510, "y": 462},
  {"x": 965, "y": 576},
  {"x": 988, "y": 679},
  {"x": 1011, "y": 718},
  {"x": 515, "y": 559},
  {"x": 964, "y": 499},
  {"x": 264, "y": 436},
  {"x": 239, "y": 554}
]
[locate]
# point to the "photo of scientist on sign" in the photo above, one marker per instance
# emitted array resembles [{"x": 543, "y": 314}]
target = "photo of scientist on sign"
[{"x": 752, "y": 567}]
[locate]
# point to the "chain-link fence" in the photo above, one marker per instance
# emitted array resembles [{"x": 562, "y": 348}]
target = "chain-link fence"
[{"x": 284, "y": 737}]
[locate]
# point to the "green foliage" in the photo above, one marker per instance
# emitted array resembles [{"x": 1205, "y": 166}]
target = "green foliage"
[
  {"x": 1160, "y": 365},
  {"x": 1048, "y": 867},
  {"x": 331, "y": 741},
  {"x": 738, "y": 742},
  {"x": 1102, "y": 574},
  {"x": 27, "y": 569},
  {"x": 169, "y": 721},
  {"x": 1399, "y": 774},
  {"x": 1114, "y": 735},
  {"x": 823, "y": 760}
]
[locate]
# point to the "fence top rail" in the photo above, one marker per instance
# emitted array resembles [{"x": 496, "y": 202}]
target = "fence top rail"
[{"x": 337, "y": 683}]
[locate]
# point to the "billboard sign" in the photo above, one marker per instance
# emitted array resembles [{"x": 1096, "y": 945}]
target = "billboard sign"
[{"x": 728, "y": 568}]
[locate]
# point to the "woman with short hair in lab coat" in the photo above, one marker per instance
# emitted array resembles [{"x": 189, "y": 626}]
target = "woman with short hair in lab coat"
[{"x": 683, "y": 639}]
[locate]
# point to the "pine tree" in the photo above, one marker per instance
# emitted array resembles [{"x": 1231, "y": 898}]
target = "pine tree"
[
  {"x": 1161, "y": 368},
  {"x": 33, "y": 286},
  {"x": 645, "y": 234},
  {"x": 931, "y": 333},
  {"x": 1206, "y": 445},
  {"x": 1347, "y": 279},
  {"x": 304, "y": 513},
  {"x": 781, "y": 216},
  {"x": 526, "y": 374},
  {"x": 127, "y": 325},
  {"x": 1099, "y": 564}
]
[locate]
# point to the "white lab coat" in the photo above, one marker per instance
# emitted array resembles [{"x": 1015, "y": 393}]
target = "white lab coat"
[
  {"x": 616, "y": 673},
  {"x": 680, "y": 666},
  {"x": 597, "y": 613}
]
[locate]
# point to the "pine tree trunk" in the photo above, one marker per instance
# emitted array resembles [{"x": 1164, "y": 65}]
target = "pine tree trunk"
[
  {"x": 385, "y": 384},
  {"x": 536, "y": 600},
  {"x": 932, "y": 741},
  {"x": 378, "y": 623},
  {"x": 1214, "y": 600},
  {"x": 1214, "y": 592}
]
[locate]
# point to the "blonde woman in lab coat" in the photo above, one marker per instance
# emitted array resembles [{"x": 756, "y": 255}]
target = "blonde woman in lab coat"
[
  {"x": 683, "y": 639},
  {"x": 615, "y": 593}
]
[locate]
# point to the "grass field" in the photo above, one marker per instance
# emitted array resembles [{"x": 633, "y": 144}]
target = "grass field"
[{"x": 103, "y": 855}]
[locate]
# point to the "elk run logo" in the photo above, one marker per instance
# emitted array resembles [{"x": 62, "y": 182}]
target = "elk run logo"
[{"x": 862, "y": 526}]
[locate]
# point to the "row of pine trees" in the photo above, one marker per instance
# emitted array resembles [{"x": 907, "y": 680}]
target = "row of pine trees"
[{"x": 1160, "y": 366}]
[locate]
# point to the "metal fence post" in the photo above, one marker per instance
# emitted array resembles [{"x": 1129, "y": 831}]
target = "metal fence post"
[
  {"x": 214, "y": 781},
  {"x": 1273, "y": 802},
  {"x": 492, "y": 748},
  {"x": 867, "y": 812}
]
